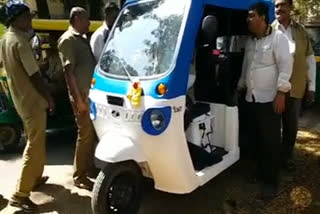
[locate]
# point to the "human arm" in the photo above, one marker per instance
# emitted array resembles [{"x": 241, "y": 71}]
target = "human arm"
[
  {"x": 39, "y": 85},
  {"x": 311, "y": 62},
  {"x": 68, "y": 59},
  {"x": 97, "y": 44},
  {"x": 74, "y": 90},
  {"x": 284, "y": 62},
  {"x": 32, "y": 69},
  {"x": 242, "y": 81}
]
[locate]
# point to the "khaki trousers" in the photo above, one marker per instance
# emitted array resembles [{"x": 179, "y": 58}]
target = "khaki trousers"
[
  {"x": 34, "y": 155},
  {"x": 85, "y": 147}
]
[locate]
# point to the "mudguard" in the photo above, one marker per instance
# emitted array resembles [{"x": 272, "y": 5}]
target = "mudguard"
[{"x": 117, "y": 148}]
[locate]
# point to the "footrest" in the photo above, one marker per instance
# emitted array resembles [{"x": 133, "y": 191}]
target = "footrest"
[{"x": 201, "y": 158}]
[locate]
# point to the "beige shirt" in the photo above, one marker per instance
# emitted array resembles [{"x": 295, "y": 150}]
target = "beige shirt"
[
  {"x": 74, "y": 49},
  {"x": 303, "y": 49},
  {"x": 19, "y": 62}
]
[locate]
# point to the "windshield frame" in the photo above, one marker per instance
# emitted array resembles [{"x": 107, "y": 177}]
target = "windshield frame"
[{"x": 176, "y": 52}]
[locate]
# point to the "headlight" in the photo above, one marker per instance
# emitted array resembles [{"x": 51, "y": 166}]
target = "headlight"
[{"x": 156, "y": 120}]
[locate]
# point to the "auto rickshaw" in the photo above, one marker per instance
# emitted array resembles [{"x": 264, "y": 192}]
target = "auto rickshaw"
[
  {"x": 160, "y": 57},
  {"x": 314, "y": 30},
  {"x": 46, "y": 34}
]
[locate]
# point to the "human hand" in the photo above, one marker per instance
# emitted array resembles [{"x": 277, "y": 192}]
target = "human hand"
[
  {"x": 82, "y": 108},
  {"x": 51, "y": 106},
  {"x": 279, "y": 103},
  {"x": 310, "y": 97}
]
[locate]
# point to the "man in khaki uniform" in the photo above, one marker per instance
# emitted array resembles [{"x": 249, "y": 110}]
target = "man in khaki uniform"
[
  {"x": 303, "y": 75},
  {"x": 30, "y": 97},
  {"x": 78, "y": 62}
]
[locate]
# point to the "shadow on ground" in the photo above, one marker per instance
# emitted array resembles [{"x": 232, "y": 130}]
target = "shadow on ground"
[
  {"x": 62, "y": 200},
  {"x": 58, "y": 143},
  {"x": 3, "y": 202}
]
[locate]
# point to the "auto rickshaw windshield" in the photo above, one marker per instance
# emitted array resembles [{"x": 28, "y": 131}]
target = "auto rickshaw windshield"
[{"x": 145, "y": 39}]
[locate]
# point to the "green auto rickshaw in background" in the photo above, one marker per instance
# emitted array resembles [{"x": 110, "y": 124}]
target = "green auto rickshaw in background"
[
  {"x": 44, "y": 46},
  {"x": 314, "y": 31}
]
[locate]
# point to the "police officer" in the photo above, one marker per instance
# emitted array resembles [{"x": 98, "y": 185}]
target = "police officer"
[
  {"x": 78, "y": 64},
  {"x": 30, "y": 97}
]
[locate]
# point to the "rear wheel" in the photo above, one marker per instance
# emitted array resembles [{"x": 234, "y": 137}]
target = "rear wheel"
[
  {"x": 9, "y": 137},
  {"x": 118, "y": 189}
]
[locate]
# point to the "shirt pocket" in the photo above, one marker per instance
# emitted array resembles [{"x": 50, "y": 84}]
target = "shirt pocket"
[{"x": 265, "y": 56}]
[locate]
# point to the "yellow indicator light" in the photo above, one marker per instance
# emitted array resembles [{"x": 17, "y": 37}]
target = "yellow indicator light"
[
  {"x": 162, "y": 89},
  {"x": 93, "y": 82}
]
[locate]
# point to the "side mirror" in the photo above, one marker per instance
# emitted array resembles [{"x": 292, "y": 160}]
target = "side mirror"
[{"x": 209, "y": 30}]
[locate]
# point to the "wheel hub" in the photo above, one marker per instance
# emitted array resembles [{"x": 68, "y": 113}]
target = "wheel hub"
[
  {"x": 120, "y": 194},
  {"x": 7, "y": 135}
]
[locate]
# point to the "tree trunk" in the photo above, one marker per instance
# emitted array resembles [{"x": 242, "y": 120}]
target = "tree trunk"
[
  {"x": 43, "y": 9},
  {"x": 68, "y": 4},
  {"x": 95, "y": 9}
]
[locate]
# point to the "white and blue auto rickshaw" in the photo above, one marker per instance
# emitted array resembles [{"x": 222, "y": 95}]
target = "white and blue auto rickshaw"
[{"x": 162, "y": 100}]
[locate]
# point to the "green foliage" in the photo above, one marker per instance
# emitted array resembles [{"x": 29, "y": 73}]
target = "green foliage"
[
  {"x": 307, "y": 10},
  {"x": 2, "y": 30}
]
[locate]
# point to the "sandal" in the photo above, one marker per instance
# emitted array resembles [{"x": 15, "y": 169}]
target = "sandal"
[
  {"x": 84, "y": 183},
  {"x": 24, "y": 203}
]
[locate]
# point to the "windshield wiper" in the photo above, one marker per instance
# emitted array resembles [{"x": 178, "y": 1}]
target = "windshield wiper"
[{"x": 126, "y": 71}]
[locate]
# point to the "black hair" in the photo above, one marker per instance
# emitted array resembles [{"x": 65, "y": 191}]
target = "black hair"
[
  {"x": 262, "y": 9},
  {"x": 110, "y": 8},
  {"x": 76, "y": 11}
]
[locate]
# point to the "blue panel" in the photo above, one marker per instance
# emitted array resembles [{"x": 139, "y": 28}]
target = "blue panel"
[
  {"x": 93, "y": 110},
  {"x": 146, "y": 120},
  {"x": 122, "y": 87},
  {"x": 232, "y": 4},
  {"x": 241, "y": 5}
]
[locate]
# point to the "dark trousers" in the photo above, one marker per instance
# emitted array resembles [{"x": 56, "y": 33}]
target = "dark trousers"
[
  {"x": 290, "y": 126},
  {"x": 265, "y": 136}
]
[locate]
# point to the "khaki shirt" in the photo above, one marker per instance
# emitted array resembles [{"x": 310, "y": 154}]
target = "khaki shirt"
[
  {"x": 303, "y": 49},
  {"x": 20, "y": 64},
  {"x": 75, "y": 50}
]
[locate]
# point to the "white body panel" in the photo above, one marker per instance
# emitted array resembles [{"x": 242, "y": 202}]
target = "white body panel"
[
  {"x": 167, "y": 154},
  {"x": 122, "y": 150},
  {"x": 225, "y": 135}
]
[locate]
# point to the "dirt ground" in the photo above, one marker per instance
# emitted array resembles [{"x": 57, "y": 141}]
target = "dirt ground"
[{"x": 229, "y": 193}]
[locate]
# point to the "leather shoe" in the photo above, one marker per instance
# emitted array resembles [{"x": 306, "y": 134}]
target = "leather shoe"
[
  {"x": 24, "y": 203},
  {"x": 84, "y": 183}
]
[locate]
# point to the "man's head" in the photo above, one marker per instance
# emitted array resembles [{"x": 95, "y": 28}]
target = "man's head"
[
  {"x": 79, "y": 19},
  {"x": 258, "y": 18},
  {"x": 111, "y": 12},
  {"x": 17, "y": 13},
  {"x": 283, "y": 9}
]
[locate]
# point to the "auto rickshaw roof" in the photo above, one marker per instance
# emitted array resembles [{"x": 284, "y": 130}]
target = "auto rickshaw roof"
[
  {"x": 232, "y": 4},
  {"x": 59, "y": 25}
]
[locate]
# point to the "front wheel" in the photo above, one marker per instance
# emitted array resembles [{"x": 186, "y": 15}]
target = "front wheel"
[
  {"x": 118, "y": 189},
  {"x": 9, "y": 137}
]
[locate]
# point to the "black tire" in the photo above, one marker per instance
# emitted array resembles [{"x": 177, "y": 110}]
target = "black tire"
[
  {"x": 9, "y": 137},
  {"x": 118, "y": 189}
]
